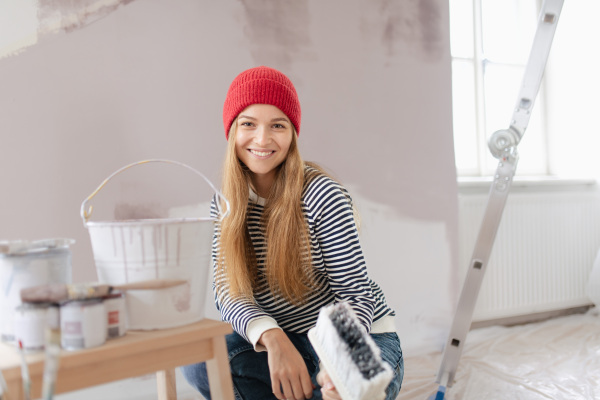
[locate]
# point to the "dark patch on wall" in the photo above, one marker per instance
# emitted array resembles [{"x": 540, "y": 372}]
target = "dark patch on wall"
[
  {"x": 430, "y": 23},
  {"x": 277, "y": 31},
  {"x": 406, "y": 26},
  {"x": 69, "y": 15}
]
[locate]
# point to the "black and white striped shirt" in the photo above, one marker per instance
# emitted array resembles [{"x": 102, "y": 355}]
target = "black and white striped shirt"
[{"x": 339, "y": 269}]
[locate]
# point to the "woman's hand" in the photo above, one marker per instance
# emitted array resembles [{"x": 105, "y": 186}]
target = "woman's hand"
[
  {"x": 328, "y": 391},
  {"x": 289, "y": 375}
]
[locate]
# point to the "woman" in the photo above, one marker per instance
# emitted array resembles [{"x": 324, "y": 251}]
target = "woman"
[{"x": 289, "y": 247}]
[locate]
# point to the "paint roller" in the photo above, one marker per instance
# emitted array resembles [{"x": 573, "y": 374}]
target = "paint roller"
[{"x": 349, "y": 354}]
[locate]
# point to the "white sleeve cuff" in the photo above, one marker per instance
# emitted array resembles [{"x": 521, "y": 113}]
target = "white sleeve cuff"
[{"x": 257, "y": 327}]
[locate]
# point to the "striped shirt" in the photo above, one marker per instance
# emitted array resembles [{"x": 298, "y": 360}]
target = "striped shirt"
[{"x": 340, "y": 271}]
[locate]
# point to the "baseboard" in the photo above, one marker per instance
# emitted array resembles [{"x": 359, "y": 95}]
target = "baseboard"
[{"x": 525, "y": 319}]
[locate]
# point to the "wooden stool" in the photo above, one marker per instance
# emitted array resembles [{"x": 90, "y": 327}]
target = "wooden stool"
[{"x": 136, "y": 353}]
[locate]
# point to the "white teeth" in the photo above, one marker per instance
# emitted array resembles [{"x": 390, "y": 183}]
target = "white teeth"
[{"x": 261, "y": 153}]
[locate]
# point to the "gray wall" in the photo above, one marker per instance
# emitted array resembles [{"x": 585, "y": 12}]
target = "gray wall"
[{"x": 146, "y": 79}]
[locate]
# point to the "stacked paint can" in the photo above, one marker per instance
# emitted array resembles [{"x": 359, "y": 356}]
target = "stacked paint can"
[
  {"x": 83, "y": 323},
  {"x": 116, "y": 314},
  {"x": 25, "y": 264},
  {"x": 30, "y": 321}
]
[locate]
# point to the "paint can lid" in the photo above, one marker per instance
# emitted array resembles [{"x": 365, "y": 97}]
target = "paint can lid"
[
  {"x": 81, "y": 302},
  {"x": 32, "y": 306},
  {"x": 22, "y": 247}
]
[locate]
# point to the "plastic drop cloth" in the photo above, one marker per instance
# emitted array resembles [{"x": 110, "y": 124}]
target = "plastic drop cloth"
[{"x": 554, "y": 359}]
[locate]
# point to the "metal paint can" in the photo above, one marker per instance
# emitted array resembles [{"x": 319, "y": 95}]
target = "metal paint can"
[
  {"x": 30, "y": 321},
  {"x": 116, "y": 314},
  {"x": 83, "y": 324},
  {"x": 25, "y": 264}
]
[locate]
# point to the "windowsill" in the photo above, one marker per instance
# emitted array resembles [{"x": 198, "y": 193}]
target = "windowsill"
[{"x": 527, "y": 183}]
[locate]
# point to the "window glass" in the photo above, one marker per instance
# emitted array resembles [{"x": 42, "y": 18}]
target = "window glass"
[
  {"x": 466, "y": 142},
  {"x": 490, "y": 43},
  {"x": 461, "y": 28},
  {"x": 502, "y": 84},
  {"x": 508, "y": 27}
]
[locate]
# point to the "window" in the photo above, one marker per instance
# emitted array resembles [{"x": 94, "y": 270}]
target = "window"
[{"x": 490, "y": 45}]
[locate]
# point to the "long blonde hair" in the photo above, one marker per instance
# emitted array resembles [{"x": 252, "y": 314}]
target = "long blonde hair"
[{"x": 288, "y": 258}]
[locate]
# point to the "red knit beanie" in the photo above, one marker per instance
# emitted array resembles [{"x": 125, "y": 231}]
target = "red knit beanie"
[{"x": 261, "y": 85}]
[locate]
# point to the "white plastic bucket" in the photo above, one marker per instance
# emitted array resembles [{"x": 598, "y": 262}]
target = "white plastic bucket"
[
  {"x": 25, "y": 264},
  {"x": 167, "y": 248}
]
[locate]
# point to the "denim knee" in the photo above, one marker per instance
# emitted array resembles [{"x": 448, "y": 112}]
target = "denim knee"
[
  {"x": 391, "y": 352},
  {"x": 197, "y": 377},
  {"x": 250, "y": 371}
]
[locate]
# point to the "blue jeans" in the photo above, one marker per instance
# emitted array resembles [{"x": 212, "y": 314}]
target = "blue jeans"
[{"x": 250, "y": 369}]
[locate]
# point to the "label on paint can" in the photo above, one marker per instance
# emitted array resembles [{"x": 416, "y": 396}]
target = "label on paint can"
[
  {"x": 30, "y": 321},
  {"x": 83, "y": 324},
  {"x": 116, "y": 314}
]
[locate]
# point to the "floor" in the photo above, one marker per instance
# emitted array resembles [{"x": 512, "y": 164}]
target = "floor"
[
  {"x": 140, "y": 388},
  {"x": 554, "y": 359}
]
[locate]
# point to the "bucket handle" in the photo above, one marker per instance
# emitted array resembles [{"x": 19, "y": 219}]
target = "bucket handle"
[{"x": 86, "y": 211}]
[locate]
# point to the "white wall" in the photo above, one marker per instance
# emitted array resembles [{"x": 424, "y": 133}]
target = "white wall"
[{"x": 149, "y": 79}]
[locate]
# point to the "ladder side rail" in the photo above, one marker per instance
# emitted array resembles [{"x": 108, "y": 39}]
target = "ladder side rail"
[
  {"x": 503, "y": 145},
  {"x": 461, "y": 324}
]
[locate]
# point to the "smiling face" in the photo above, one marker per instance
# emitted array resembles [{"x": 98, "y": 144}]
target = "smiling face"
[{"x": 262, "y": 140}]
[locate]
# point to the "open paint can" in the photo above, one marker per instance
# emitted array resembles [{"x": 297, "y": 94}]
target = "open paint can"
[{"x": 25, "y": 264}]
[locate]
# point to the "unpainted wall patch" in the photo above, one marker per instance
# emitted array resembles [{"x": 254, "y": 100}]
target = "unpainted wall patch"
[
  {"x": 32, "y": 19},
  {"x": 67, "y": 15}
]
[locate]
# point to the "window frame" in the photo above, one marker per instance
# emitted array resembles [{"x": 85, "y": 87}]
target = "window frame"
[{"x": 483, "y": 163}]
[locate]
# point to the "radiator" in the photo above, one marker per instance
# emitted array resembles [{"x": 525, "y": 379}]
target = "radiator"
[{"x": 543, "y": 254}]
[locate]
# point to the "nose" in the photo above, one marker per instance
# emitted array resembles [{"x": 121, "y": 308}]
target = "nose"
[{"x": 263, "y": 136}]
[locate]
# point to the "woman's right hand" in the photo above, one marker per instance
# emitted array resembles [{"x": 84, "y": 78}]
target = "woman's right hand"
[{"x": 289, "y": 375}]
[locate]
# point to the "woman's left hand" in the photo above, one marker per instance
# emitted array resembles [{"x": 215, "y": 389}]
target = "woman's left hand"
[{"x": 328, "y": 390}]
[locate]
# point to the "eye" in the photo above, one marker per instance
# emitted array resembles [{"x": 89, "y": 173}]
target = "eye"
[
  {"x": 246, "y": 123},
  {"x": 279, "y": 126}
]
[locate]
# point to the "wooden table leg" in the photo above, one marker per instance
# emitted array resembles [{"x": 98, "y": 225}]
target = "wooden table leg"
[
  {"x": 166, "y": 385},
  {"x": 219, "y": 376},
  {"x": 14, "y": 390}
]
